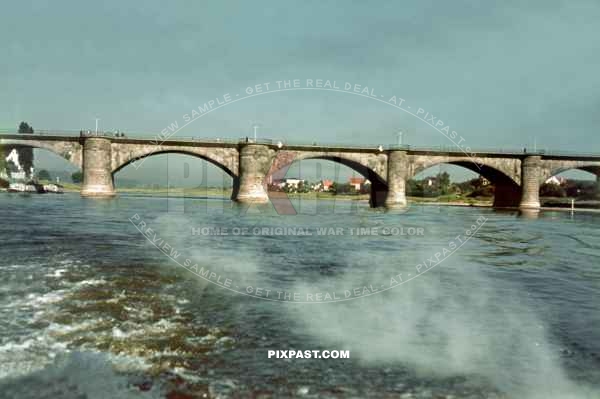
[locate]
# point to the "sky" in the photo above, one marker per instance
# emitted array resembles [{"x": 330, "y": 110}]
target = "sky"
[{"x": 507, "y": 74}]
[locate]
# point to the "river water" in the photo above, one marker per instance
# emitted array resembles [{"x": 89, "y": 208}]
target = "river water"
[{"x": 435, "y": 302}]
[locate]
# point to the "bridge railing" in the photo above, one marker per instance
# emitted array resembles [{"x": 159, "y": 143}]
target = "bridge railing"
[
  {"x": 456, "y": 149},
  {"x": 61, "y": 133},
  {"x": 291, "y": 142},
  {"x": 321, "y": 143}
]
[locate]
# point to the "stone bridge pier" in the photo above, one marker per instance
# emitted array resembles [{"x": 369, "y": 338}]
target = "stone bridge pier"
[
  {"x": 97, "y": 168},
  {"x": 255, "y": 162},
  {"x": 398, "y": 165},
  {"x": 530, "y": 182}
]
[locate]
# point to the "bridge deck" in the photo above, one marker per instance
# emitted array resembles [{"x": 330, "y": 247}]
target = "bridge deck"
[{"x": 296, "y": 146}]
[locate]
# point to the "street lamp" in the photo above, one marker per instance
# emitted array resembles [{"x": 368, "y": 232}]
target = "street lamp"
[
  {"x": 97, "y": 119},
  {"x": 255, "y": 126},
  {"x": 400, "y": 133}
]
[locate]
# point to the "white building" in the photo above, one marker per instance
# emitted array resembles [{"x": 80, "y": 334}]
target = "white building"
[
  {"x": 557, "y": 180},
  {"x": 293, "y": 182}
]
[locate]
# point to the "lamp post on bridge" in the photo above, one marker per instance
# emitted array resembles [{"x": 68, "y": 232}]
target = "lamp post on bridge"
[{"x": 255, "y": 126}]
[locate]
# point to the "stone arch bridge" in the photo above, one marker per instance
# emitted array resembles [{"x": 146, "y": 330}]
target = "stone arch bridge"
[{"x": 517, "y": 176}]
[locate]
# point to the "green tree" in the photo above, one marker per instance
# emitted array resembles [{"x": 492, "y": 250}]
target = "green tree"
[
  {"x": 77, "y": 177},
  {"x": 345, "y": 188},
  {"x": 3, "y": 163},
  {"x": 483, "y": 191},
  {"x": 303, "y": 187},
  {"x": 414, "y": 188},
  {"x": 333, "y": 188},
  {"x": 25, "y": 128},
  {"x": 582, "y": 189},
  {"x": 552, "y": 190},
  {"x": 44, "y": 175},
  {"x": 443, "y": 180}
]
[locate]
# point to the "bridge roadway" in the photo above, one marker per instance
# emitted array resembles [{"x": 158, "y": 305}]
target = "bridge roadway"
[{"x": 516, "y": 174}]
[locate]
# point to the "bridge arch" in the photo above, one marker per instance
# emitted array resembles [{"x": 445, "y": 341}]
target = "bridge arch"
[
  {"x": 505, "y": 179},
  {"x": 210, "y": 160},
  {"x": 225, "y": 158},
  {"x": 372, "y": 167},
  {"x": 553, "y": 169},
  {"x": 71, "y": 151},
  {"x": 493, "y": 169}
]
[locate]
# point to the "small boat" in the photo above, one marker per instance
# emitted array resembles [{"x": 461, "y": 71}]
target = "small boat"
[
  {"x": 17, "y": 188},
  {"x": 31, "y": 187},
  {"x": 53, "y": 188},
  {"x": 34, "y": 187}
]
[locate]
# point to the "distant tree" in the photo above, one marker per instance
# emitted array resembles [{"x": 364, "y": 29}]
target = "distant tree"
[
  {"x": 483, "y": 191},
  {"x": 333, "y": 188},
  {"x": 77, "y": 177},
  {"x": 430, "y": 190},
  {"x": 44, "y": 175},
  {"x": 3, "y": 163},
  {"x": 582, "y": 189},
  {"x": 26, "y": 153},
  {"x": 303, "y": 187},
  {"x": 552, "y": 190},
  {"x": 443, "y": 180},
  {"x": 345, "y": 188},
  {"x": 25, "y": 128},
  {"x": 414, "y": 188}
]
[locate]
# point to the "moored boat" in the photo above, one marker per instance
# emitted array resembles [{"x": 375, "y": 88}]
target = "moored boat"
[
  {"x": 53, "y": 188},
  {"x": 17, "y": 188}
]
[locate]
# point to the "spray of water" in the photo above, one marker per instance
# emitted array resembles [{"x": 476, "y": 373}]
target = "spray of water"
[
  {"x": 453, "y": 321},
  {"x": 456, "y": 320}
]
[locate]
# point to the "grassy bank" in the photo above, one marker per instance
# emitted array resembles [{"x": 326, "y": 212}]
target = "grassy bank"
[{"x": 226, "y": 193}]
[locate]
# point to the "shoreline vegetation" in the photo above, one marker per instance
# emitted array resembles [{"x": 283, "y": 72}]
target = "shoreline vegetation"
[
  {"x": 226, "y": 193},
  {"x": 548, "y": 203}
]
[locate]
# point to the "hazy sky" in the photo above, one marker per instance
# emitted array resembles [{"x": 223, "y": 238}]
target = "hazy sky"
[{"x": 502, "y": 74}]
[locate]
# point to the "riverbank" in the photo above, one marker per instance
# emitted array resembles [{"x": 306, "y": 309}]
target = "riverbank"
[{"x": 549, "y": 203}]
